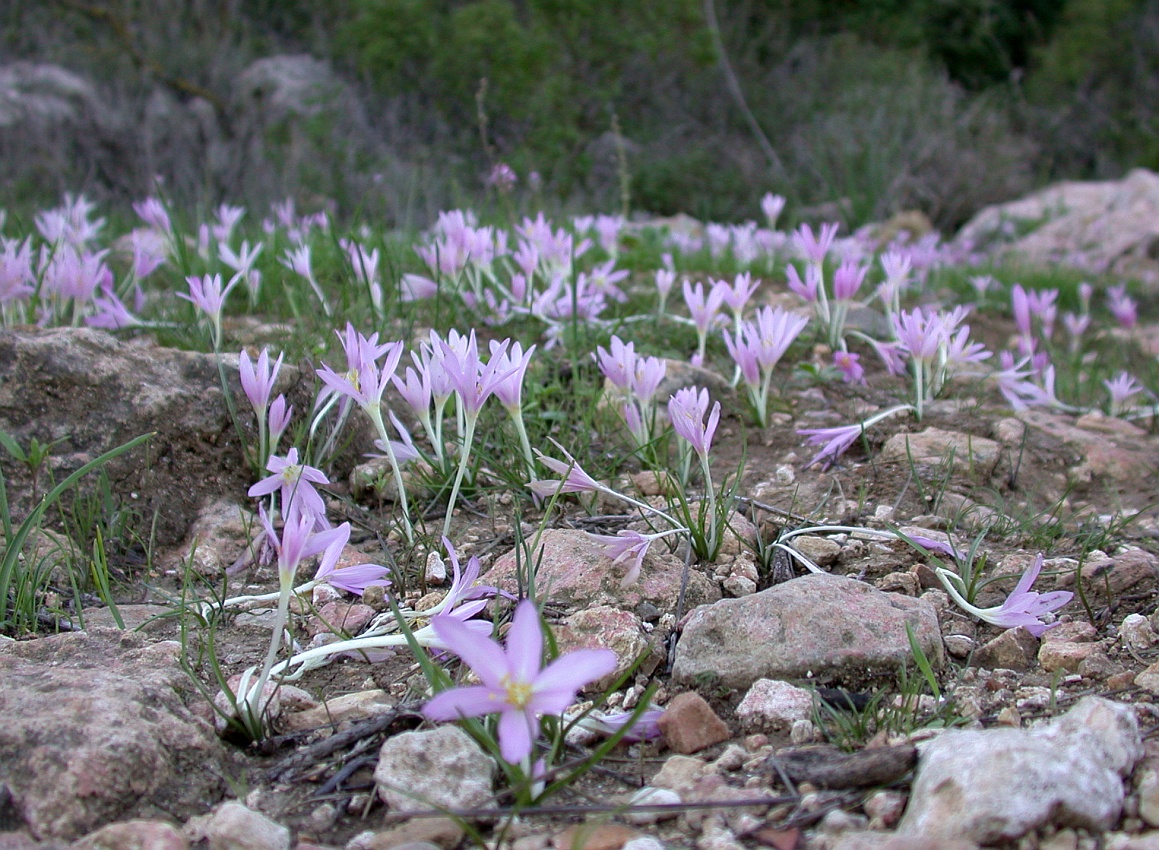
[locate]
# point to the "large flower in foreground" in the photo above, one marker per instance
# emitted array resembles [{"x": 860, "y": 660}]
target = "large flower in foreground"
[{"x": 514, "y": 685}]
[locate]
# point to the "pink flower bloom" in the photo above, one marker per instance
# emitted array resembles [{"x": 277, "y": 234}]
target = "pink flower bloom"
[
  {"x": 686, "y": 409},
  {"x": 299, "y": 540},
  {"x": 647, "y": 377},
  {"x": 207, "y": 294},
  {"x": 514, "y": 683},
  {"x": 472, "y": 381},
  {"x": 296, "y": 482},
  {"x": 279, "y": 420},
  {"x": 1023, "y": 607},
  {"x": 1122, "y": 306},
  {"x": 242, "y": 261},
  {"x": 352, "y": 578},
  {"x": 111, "y": 313},
  {"x": 808, "y": 288},
  {"x": 736, "y": 295},
  {"x": 364, "y": 381},
  {"x": 776, "y": 328},
  {"x": 837, "y": 441},
  {"x": 513, "y": 362},
  {"x": 1121, "y": 388},
  {"x": 704, "y": 309},
  {"x": 153, "y": 213},
  {"x": 626, "y": 547},
  {"x": 847, "y": 280},
  {"x": 851, "y": 369},
  {"x": 618, "y": 362},
  {"x": 772, "y": 206},
  {"x": 415, "y": 287},
  {"x": 258, "y": 382},
  {"x": 16, "y": 276},
  {"x": 575, "y": 480},
  {"x": 646, "y": 727},
  {"x": 813, "y": 248},
  {"x": 918, "y": 334}
]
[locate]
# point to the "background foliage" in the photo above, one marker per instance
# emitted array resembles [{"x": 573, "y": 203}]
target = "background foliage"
[{"x": 870, "y": 106}]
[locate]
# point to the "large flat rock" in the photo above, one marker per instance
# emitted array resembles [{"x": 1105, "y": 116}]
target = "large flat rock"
[{"x": 817, "y": 626}]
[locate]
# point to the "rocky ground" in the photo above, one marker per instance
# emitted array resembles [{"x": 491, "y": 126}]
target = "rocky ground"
[{"x": 785, "y": 724}]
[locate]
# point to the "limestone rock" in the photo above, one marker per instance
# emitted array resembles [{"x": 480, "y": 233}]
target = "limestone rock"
[
  {"x": 134, "y": 835},
  {"x": 574, "y": 571},
  {"x": 99, "y": 392},
  {"x": 432, "y": 768},
  {"x": 1014, "y": 649},
  {"x": 234, "y": 826},
  {"x": 1104, "y": 227},
  {"x": 603, "y": 627},
  {"x": 998, "y": 784},
  {"x": 770, "y": 704},
  {"x": 817, "y": 625},
  {"x": 96, "y": 729},
  {"x": 934, "y": 446}
]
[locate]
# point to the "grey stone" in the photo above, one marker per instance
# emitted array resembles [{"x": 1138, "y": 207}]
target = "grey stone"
[
  {"x": 1105, "y": 227},
  {"x": 440, "y": 767},
  {"x": 999, "y": 784},
  {"x": 817, "y": 625},
  {"x": 574, "y": 571},
  {"x": 234, "y": 826},
  {"x": 770, "y": 704},
  {"x": 935, "y": 447},
  {"x": 95, "y": 730}
]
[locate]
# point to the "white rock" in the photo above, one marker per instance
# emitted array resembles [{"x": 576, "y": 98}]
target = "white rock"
[
  {"x": 999, "y": 784},
  {"x": 1137, "y": 633},
  {"x": 644, "y": 842},
  {"x": 772, "y": 704},
  {"x": 437, "y": 768},
  {"x": 436, "y": 571},
  {"x": 232, "y": 826},
  {"x": 652, "y": 797}
]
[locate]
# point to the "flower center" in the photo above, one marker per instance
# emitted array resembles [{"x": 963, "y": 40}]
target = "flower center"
[
  {"x": 292, "y": 473},
  {"x": 518, "y": 693}
]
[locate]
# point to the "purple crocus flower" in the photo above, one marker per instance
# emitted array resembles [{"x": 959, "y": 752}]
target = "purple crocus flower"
[
  {"x": 703, "y": 308},
  {"x": 512, "y": 362},
  {"x": 574, "y": 480},
  {"x": 808, "y": 288},
  {"x": 111, "y": 313},
  {"x": 686, "y": 409},
  {"x": 625, "y": 546},
  {"x": 296, "y": 482},
  {"x": 352, "y": 578},
  {"x": 847, "y": 280},
  {"x": 617, "y": 362},
  {"x": 258, "y": 381},
  {"x": 1023, "y": 607},
  {"x": 837, "y": 441},
  {"x": 646, "y": 727},
  {"x": 852, "y": 372},
  {"x": 814, "y": 248},
  {"x": 1121, "y": 388},
  {"x": 514, "y": 683},
  {"x": 279, "y": 420},
  {"x": 1122, "y": 306}
]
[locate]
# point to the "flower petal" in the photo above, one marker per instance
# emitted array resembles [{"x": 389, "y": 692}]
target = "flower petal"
[
  {"x": 525, "y": 643},
  {"x": 562, "y": 678},
  {"x": 474, "y": 701},
  {"x": 517, "y": 732},
  {"x": 483, "y": 655}
]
